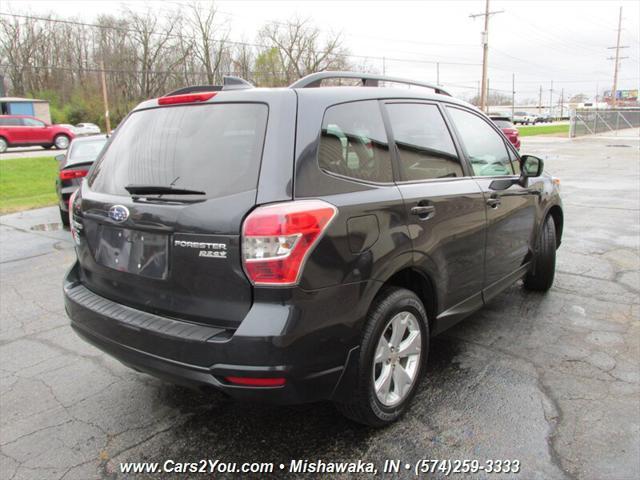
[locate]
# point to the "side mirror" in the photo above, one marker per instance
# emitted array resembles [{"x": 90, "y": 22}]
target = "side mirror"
[
  {"x": 530, "y": 166},
  {"x": 502, "y": 183},
  {"x": 59, "y": 158}
]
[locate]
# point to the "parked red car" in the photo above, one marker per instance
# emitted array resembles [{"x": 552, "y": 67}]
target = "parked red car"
[
  {"x": 25, "y": 131},
  {"x": 508, "y": 129}
]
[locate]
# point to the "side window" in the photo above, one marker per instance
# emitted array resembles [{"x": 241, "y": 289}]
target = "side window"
[
  {"x": 354, "y": 143},
  {"x": 425, "y": 147},
  {"x": 30, "y": 122},
  {"x": 486, "y": 149},
  {"x": 10, "y": 122}
]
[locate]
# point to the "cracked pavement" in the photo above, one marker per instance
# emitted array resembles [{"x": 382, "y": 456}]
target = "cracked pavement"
[{"x": 551, "y": 380}]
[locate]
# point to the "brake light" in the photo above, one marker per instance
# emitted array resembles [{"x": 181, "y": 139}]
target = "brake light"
[
  {"x": 186, "y": 98},
  {"x": 277, "y": 239},
  {"x": 71, "y": 174},
  {"x": 257, "y": 382}
]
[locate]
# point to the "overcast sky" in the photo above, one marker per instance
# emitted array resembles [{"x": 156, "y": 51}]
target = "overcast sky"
[{"x": 540, "y": 41}]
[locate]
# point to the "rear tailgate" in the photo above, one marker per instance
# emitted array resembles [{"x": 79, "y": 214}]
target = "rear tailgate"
[{"x": 179, "y": 255}]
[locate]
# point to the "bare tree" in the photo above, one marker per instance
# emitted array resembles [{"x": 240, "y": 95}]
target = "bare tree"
[
  {"x": 146, "y": 55},
  {"x": 210, "y": 41},
  {"x": 297, "y": 48},
  {"x": 244, "y": 61},
  {"x": 154, "y": 44},
  {"x": 20, "y": 40}
]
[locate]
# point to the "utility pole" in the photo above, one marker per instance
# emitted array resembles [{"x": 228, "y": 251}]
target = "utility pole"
[
  {"x": 437, "y": 73},
  {"x": 513, "y": 95},
  {"x": 488, "y": 96},
  {"x": 384, "y": 66},
  {"x": 485, "y": 52},
  {"x": 551, "y": 98},
  {"x": 540, "y": 100},
  {"x": 104, "y": 97},
  {"x": 617, "y": 59},
  {"x": 561, "y": 103}
]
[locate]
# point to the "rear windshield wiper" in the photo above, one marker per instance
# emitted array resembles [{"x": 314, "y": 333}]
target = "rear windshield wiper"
[{"x": 161, "y": 190}]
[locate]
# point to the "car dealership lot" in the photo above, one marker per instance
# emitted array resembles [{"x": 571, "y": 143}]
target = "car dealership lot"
[{"x": 550, "y": 380}]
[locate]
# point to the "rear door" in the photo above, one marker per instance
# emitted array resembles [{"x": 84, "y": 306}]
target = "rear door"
[
  {"x": 176, "y": 255},
  {"x": 444, "y": 206},
  {"x": 510, "y": 213},
  {"x": 35, "y": 131},
  {"x": 19, "y": 131}
]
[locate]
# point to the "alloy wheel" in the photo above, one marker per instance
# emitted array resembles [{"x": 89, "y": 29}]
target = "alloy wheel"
[
  {"x": 62, "y": 142},
  {"x": 397, "y": 359}
]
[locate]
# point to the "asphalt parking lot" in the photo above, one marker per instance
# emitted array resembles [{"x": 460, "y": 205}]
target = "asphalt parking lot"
[{"x": 551, "y": 380}]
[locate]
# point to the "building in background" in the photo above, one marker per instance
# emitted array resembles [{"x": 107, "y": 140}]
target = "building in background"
[
  {"x": 25, "y": 106},
  {"x": 624, "y": 98}
]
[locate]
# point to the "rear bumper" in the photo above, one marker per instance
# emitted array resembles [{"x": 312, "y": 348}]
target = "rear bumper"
[
  {"x": 308, "y": 348},
  {"x": 64, "y": 194}
]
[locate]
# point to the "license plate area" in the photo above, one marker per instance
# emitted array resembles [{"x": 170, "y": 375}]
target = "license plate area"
[{"x": 132, "y": 251}]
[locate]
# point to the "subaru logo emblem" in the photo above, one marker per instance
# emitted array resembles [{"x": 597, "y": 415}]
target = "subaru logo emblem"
[{"x": 118, "y": 213}]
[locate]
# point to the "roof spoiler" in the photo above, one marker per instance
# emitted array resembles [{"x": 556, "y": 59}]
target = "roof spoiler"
[{"x": 228, "y": 83}]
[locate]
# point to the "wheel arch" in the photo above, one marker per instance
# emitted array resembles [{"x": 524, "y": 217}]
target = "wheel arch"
[
  {"x": 422, "y": 285},
  {"x": 555, "y": 212}
]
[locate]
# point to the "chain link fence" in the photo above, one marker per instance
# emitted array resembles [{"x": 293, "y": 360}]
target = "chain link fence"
[{"x": 590, "y": 122}]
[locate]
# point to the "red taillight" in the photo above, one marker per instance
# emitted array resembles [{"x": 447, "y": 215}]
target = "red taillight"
[
  {"x": 71, "y": 174},
  {"x": 257, "y": 382},
  {"x": 276, "y": 239},
  {"x": 186, "y": 98}
]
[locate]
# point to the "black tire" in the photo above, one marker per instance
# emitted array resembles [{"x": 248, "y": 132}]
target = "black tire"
[
  {"x": 540, "y": 277},
  {"x": 364, "y": 406},
  {"x": 64, "y": 218}
]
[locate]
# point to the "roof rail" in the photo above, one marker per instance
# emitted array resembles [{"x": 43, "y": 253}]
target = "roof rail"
[
  {"x": 367, "y": 79},
  {"x": 228, "y": 83}
]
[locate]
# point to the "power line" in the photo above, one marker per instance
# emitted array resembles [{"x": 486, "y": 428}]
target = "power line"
[
  {"x": 230, "y": 42},
  {"x": 134, "y": 71}
]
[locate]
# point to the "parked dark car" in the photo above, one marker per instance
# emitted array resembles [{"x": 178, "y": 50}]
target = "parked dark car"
[
  {"x": 73, "y": 167},
  {"x": 26, "y": 131},
  {"x": 509, "y": 129},
  {"x": 300, "y": 244}
]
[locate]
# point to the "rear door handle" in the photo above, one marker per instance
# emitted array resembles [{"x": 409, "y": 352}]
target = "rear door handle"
[{"x": 423, "y": 211}]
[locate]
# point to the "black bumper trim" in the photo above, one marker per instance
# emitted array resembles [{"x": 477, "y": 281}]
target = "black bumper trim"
[{"x": 140, "y": 320}]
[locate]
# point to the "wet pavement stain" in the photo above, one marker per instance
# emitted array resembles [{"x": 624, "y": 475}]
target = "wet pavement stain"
[{"x": 47, "y": 227}]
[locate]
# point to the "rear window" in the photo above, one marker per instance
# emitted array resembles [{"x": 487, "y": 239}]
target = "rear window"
[
  {"x": 85, "y": 151},
  {"x": 214, "y": 148}
]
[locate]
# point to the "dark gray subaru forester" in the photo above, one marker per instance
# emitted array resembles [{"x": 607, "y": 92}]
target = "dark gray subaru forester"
[{"x": 301, "y": 244}]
